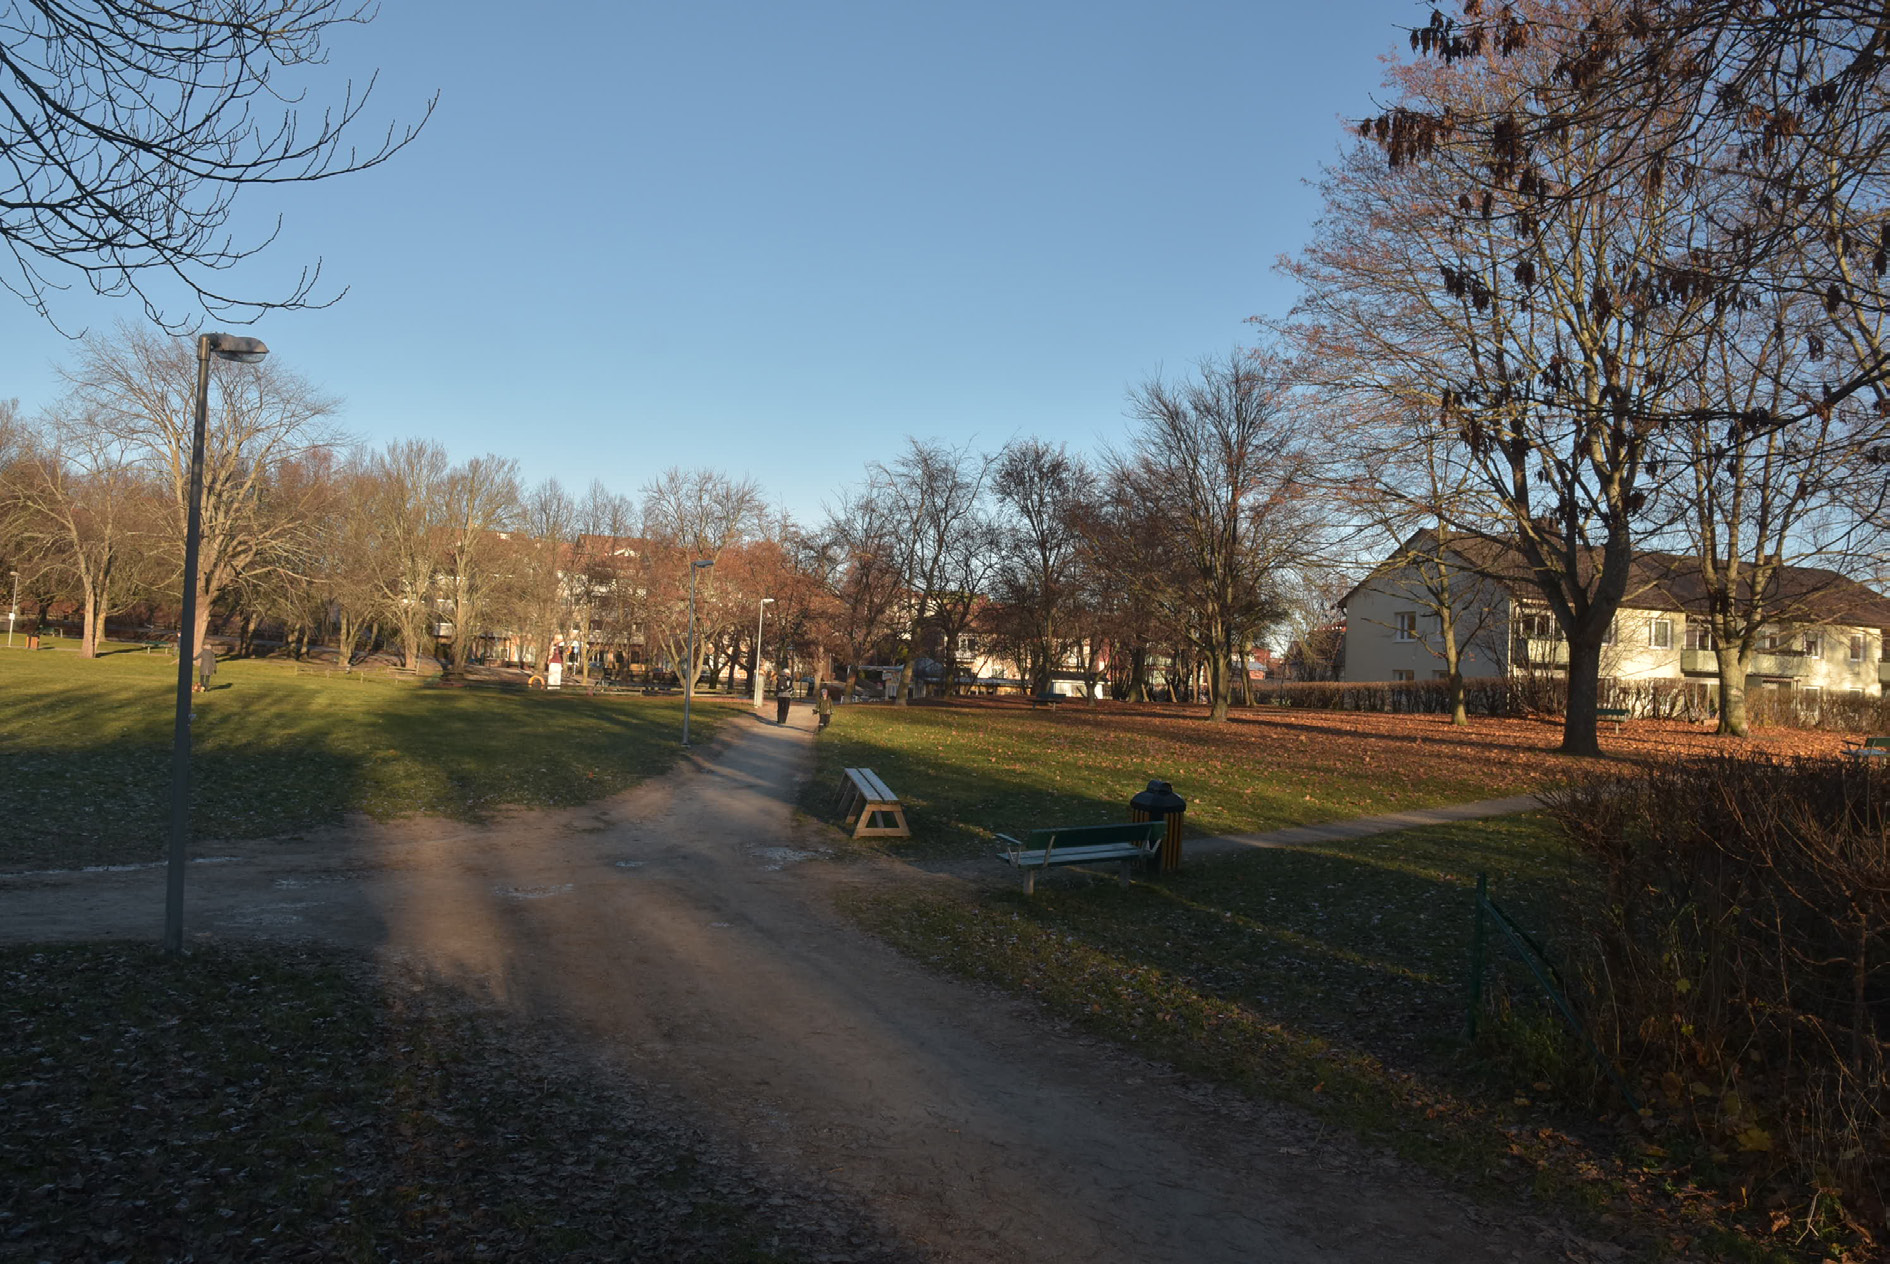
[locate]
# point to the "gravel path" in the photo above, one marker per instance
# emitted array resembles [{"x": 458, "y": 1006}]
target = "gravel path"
[{"x": 685, "y": 932}]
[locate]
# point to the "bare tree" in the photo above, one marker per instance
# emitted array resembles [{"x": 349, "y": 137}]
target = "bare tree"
[
  {"x": 1761, "y": 505},
  {"x": 1038, "y": 576},
  {"x": 139, "y": 391},
  {"x": 857, "y": 557},
  {"x": 1223, "y": 458},
  {"x": 691, "y": 516},
  {"x": 84, "y": 499},
  {"x": 934, "y": 493},
  {"x": 130, "y": 128},
  {"x": 479, "y": 501},
  {"x": 409, "y": 494}
]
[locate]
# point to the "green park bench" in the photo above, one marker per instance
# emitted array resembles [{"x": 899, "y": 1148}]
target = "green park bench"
[
  {"x": 1127, "y": 845},
  {"x": 1871, "y": 748},
  {"x": 1617, "y": 714}
]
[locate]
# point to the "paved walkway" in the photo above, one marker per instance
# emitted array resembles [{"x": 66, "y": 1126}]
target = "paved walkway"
[{"x": 1362, "y": 827}]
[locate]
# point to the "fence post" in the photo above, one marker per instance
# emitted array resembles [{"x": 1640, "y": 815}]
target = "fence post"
[{"x": 1476, "y": 958}]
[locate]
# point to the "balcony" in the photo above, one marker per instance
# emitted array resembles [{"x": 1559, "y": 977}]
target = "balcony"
[
  {"x": 1541, "y": 652},
  {"x": 1781, "y": 665},
  {"x": 1699, "y": 663}
]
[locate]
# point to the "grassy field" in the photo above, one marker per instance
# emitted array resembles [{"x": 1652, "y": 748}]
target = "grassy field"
[
  {"x": 971, "y": 769},
  {"x": 247, "y": 1104},
  {"x": 85, "y": 751}
]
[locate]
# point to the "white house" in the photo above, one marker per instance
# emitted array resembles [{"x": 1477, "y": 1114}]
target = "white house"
[{"x": 1831, "y": 639}]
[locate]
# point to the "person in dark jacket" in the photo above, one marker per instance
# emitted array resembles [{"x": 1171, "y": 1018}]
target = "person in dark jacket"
[
  {"x": 206, "y": 666},
  {"x": 783, "y": 699}
]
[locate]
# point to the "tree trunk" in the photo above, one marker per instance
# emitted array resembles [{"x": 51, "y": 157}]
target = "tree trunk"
[
  {"x": 1138, "y": 674},
  {"x": 1219, "y": 692},
  {"x": 1733, "y": 668},
  {"x": 1584, "y": 696},
  {"x": 904, "y": 693},
  {"x": 92, "y": 617}
]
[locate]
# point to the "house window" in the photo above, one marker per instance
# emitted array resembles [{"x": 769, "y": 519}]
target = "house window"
[
  {"x": 1406, "y": 625},
  {"x": 1699, "y": 635},
  {"x": 1814, "y": 645},
  {"x": 1660, "y": 634},
  {"x": 1536, "y": 625},
  {"x": 1857, "y": 647},
  {"x": 1401, "y": 674},
  {"x": 1440, "y": 675},
  {"x": 1607, "y": 636}
]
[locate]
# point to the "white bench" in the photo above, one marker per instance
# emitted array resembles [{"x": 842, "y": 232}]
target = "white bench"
[
  {"x": 867, "y": 797},
  {"x": 1128, "y": 844}
]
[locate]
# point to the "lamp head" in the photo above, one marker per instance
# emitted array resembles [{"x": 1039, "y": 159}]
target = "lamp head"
[
  {"x": 241, "y": 350},
  {"x": 767, "y": 601},
  {"x": 704, "y": 564}
]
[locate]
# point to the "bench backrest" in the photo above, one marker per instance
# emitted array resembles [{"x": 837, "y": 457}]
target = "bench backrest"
[
  {"x": 1141, "y": 833},
  {"x": 1882, "y": 743}
]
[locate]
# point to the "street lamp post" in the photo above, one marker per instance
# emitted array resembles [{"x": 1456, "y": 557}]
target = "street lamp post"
[
  {"x": 689, "y": 668},
  {"x": 13, "y": 613},
  {"x": 244, "y": 351},
  {"x": 761, "y": 608}
]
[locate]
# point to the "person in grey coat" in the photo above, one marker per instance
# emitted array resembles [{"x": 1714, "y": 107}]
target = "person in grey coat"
[{"x": 206, "y": 666}]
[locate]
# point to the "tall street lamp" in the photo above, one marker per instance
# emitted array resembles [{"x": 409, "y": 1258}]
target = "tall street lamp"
[
  {"x": 243, "y": 351},
  {"x": 761, "y": 608},
  {"x": 689, "y": 668},
  {"x": 13, "y": 613}
]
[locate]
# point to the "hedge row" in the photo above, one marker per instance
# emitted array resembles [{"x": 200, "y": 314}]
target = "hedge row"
[
  {"x": 1739, "y": 967},
  {"x": 1690, "y": 700}
]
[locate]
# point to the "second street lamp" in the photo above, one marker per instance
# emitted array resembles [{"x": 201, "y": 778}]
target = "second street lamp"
[
  {"x": 689, "y": 668},
  {"x": 243, "y": 351},
  {"x": 754, "y": 673}
]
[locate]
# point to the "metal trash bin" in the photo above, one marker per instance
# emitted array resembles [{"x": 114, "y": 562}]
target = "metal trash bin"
[{"x": 1160, "y": 802}]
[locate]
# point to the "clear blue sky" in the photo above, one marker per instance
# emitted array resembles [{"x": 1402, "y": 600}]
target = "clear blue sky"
[{"x": 777, "y": 239}]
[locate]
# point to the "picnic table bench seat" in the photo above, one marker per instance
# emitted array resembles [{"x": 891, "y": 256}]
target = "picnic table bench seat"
[
  {"x": 867, "y": 797},
  {"x": 1127, "y": 844},
  {"x": 1871, "y": 748}
]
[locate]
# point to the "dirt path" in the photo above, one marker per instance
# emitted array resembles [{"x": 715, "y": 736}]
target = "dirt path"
[{"x": 685, "y": 931}]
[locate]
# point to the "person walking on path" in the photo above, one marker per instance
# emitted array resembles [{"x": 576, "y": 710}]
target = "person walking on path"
[
  {"x": 823, "y": 707},
  {"x": 206, "y": 666},
  {"x": 783, "y": 699}
]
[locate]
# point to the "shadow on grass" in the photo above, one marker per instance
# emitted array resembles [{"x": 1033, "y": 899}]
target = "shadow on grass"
[{"x": 1332, "y": 979}]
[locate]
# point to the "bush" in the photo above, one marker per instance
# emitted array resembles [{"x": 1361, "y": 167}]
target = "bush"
[
  {"x": 1536, "y": 693},
  {"x": 1740, "y": 964}
]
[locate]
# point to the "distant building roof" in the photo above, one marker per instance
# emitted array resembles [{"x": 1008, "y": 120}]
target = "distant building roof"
[{"x": 1669, "y": 581}]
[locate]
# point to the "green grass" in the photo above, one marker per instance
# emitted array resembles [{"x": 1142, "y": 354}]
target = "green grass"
[
  {"x": 85, "y": 751},
  {"x": 275, "y": 1103},
  {"x": 965, "y": 773}
]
